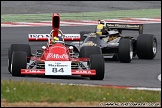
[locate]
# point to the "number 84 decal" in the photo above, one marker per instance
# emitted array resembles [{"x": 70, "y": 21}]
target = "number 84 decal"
[{"x": 55, "y": 70}]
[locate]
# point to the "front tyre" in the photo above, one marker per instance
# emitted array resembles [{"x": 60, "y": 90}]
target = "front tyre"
[
  {"x": 125, "y": 50},
  {"x": 18, "y": 47},
  {"x": 97, "y": 63},
  {"x": 19, "y": 61}
]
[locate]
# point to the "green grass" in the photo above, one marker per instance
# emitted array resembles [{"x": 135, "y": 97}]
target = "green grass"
[
  {"x": 143, "y": 13},
  {"x": 22, "y": 91}
]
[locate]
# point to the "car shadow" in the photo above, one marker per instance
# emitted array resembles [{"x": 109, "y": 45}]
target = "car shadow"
[{"x": 59, "y": 77}]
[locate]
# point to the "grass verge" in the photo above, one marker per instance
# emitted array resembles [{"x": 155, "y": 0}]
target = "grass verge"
[
  {"x": 22, "y": 91},
  {"x": 142, "y": 13}
]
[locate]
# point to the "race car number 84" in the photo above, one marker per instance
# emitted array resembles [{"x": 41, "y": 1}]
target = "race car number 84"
[{"x": 58, "y": 68}]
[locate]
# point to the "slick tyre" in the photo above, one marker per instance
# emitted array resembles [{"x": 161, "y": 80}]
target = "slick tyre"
[
  {"x": 97, "y": 63},
  {"x": 125, "y": 50},
  {"x": 87, "y": 51},
  {"x": 18, "y": 62},
  {"x": 18, "y": 47},
  {"x": 146, "y": 46}
]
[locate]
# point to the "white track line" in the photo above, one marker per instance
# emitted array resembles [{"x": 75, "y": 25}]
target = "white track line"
[
  {"x": 144, "y": 88},
  {"x": 111, "y": 86}
]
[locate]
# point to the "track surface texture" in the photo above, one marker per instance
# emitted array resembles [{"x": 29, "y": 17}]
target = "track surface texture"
[{"x": 30, "y": 7}]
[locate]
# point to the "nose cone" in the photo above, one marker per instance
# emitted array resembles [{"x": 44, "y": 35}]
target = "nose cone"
[{"x": 57, "y": 52}]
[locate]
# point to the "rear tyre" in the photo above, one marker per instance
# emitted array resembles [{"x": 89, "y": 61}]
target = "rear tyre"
[
  {"x": 97, "y": 63},
  {"x": 125, "y": 50},
  {"x": 146, "y": 46},
  {"x": 18, "y": 47},
  {"x": 18, "y": 62}
]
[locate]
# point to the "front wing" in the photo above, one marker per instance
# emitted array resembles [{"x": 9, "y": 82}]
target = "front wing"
[
  {"x": 59, "y": 68},
  {"x": 42, "y": 72}
]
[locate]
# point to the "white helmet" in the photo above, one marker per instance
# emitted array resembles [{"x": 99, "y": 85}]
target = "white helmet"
[{"x": 102, "y": 22}]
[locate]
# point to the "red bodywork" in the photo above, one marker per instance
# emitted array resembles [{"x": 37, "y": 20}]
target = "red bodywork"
[{"x": 57, "y": 52}]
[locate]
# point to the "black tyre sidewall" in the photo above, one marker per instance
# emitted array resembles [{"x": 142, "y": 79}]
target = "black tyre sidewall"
[
  {"x": 18, "y": 47},
  {"x": 124, "y": 50},
  {"x": 97, "y": 63},
  {"x": 145, "y": 46},
  {"x": 19, "y": 62}
]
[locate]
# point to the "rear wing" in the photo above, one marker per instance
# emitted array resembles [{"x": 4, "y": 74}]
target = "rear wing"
[
  {"x": 44, "y": 37},
  {"x": 120, "y": 27}
]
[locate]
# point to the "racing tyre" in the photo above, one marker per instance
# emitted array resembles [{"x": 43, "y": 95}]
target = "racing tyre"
[
  {"x": 9, "y": 59},
  {"x": 146, "y": 46},
  {"x": 125, "y": 50},
  {"x": 18, "y": 62},
  {"x": 87, "y": 51},
  {"x": 97, "y": 63},
  {"x": 18, "y": 47},
  {"x": 82, "y": 33}
]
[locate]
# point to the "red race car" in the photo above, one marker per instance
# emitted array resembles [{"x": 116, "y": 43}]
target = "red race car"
[{"x": 56, "y": 58}]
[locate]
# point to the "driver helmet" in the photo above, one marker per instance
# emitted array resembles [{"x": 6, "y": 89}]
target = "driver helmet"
[
  {"x": 101, "y": 30},
  {"x": 57, "y": 39},
  {"x": 102, "y": 22}
]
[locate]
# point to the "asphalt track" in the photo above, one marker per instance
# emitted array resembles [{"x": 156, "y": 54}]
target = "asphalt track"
[
  {"x": 30, "y": 7},
  {"x": 138, "y": 73}
]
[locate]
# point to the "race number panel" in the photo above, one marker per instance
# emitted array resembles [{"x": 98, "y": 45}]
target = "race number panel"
[{"x": 58, "y": 68}]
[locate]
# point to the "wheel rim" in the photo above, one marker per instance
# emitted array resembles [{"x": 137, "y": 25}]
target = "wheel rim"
[
  {"x": 131, "y": 52},
  {"x": 154, "y": 46},
  {"x": 11, "y": 68}
]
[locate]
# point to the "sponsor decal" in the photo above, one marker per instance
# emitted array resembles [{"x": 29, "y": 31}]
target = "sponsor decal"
[
  {"x": 48, "y": 35},
  {"x": 32, "y": 71},
  {"x": 123, "y": 25},
  {"x": 39, "y": 36},
  {"x": 83, "y": 71},
  {"x": 63, "y": 56},
  {"x": 57, "y": 65}
]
